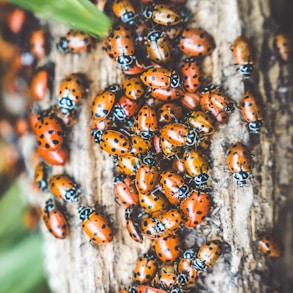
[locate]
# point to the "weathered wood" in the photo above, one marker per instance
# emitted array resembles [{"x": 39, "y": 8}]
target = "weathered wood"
[{"x": 238, "y": 215}]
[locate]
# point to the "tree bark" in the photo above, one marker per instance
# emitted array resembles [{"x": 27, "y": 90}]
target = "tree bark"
[{"x": 239, "y": 215}]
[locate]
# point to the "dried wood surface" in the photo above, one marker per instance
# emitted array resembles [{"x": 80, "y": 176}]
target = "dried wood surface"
[{"x": 238, "y": 215}]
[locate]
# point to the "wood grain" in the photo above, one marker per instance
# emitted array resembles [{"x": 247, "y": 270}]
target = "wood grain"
[{"x": 238, "y": 215}]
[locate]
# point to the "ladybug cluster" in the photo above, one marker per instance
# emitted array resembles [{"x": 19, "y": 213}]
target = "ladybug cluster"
[
  {"x": 157, "y": 126},
  {"x": 51, "y": 126}
]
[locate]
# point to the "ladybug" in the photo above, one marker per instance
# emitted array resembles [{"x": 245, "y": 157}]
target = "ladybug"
[
  {"x": 178, "y": 166},
  {"x": 125, "y": 108},
  {"x": 75, "y": 41},
  {"x": 121, "y": 46},
  {"x": 195, "y": 208},
  {"x": 16, "y": 20},
  {"x": 186, "y": 273},
  {"x": 252, "y": 111},
  {"x": 169, "y": 150},
  {"x": 166, "y": 94},
  {"x": 147, "y": 122},
  {"x": 147, "y": 289},
  {"x": 112, "y": 141},
  {"x": 284, "y": 46},
  {"x": 101, "y": 124},
  {"x": 55, "y": 220},
  {"x": 95, "y": 225},
  {"x": 64, "y": 187},
  {"x": 243, "y": 56},
  {"x": 125, "y": 191},
  {"x": 174, "y": 187},
  {"x": 169, "y": 112},
  {"x": 179, "y": 134},
  {"x": 124, "y": 10},
  {"x": 161, "y": 224},
  {"x": 49, "y": 132},
  {"x": 71, "y": 90},
  {"x": 39, "y": 85},
  {"x": 104, "y": 102},
  {"x": 158, "y": 77},
  {"x": 37, "y": 43},
  {"x": 68, "y": 119},
  {"x": 140, "y": 145},
  {"x": 239, "y": 162},
  {"x": 127, "y": 164},
  {"x": 191, "y": 75},
  {"x": 270, "y": 246},
  {"x": 158, "y": 47},
  {"x": 197, "y": 166},
  {"x": 55, "y": 158},
  {"x": 147, "y": 175},
  {"x": 41, "y": 176},
  {"x": 165, "y": 280},
  {"x": 153, "y": 202},
  {"x": 196, "y": 42},
  {"x": 133, "y": 87},
  {"x": 173, "y": 32},
  {"x": 168, "y": 249},
  {"x": 31, "y": 217},
  {"x": 202, "y": 122},
  {"x": 207, "y": 255},
  {"x": 162, "y": 14},
  {"x": 145, "y": 268},
  {"x": 132, "y": 226},
  {"x": 190, "y": 101},
  {"x": 217, "y": 104}
]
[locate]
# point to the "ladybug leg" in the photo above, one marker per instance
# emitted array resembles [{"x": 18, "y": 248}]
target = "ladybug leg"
[{"x": 93, "y": 244}]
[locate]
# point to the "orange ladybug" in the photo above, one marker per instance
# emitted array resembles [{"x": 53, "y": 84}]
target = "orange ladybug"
[
  {"x": 270, "y": 246},
  {"x": 207, "y": 255},
  {"x": 284, "y": 46},
  {"x": 252, "y": 111},
  {"x": 168, "y": 249},
  {"x": 145, "y": 268},
  {"x": 55, "y": 220},
  {"x": 95, "y": 225},
  {"x": 239, "y": 162},
  {"x": 63, "y": 186},
  {"x": 243, "y": 56}
]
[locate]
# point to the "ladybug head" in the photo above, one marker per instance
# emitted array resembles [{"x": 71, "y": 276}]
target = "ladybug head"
[
  {"x": 132, "y": 290},
  {"x": 66, "y": 104},
  {"x": 255, "y": 126},
  {"x": 175, "y": 80},
  {"x": 147, "y": 13},
  {"x": 149, "y": 160},
  {"x": 153, "y": 36},
  {"x": 246, "y": 70},
  {"x": 114, "y": 88},
  {"x": 118, "y": 178},
  {"x": 119, "y": 112},
  {"x": 230, "y": 108},
  {"x": 192, "y": 138},
  {"x": 201, "y": 179},
  {"x": 128, "y": 17},
  {"x": 176, "y": 289},
  {"x": 125, "y": 61},
  {"x": 97, "y": 134},
  {"x": 183, "y": 191},
  {"x": 49, "y": 206},
  {"x": 62, "y": 46},
  {"x": 189, "y": 254},
  {"x": 128, "y": 213},
  {"x": 72, "y": 195},
  {"x": 241, "y": 177},
  {"x": 85, "y": 212}
]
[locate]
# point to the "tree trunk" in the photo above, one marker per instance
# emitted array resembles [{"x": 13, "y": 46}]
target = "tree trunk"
[{"x": 239, "y": 215}]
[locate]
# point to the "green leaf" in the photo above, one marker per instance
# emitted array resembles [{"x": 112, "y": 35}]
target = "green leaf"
[
  {"x": 81, "y": 14},
  {"x": 21, "y": 266}
]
